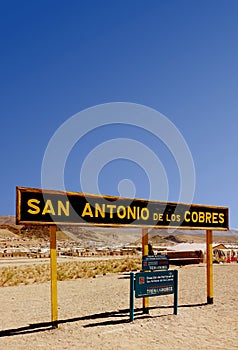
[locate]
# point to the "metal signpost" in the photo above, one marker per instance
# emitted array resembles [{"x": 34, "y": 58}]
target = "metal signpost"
[{"x": 153, "y": 283}]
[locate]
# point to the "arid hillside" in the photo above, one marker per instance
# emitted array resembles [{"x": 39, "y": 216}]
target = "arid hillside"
[{"x": 109, "y": 237}]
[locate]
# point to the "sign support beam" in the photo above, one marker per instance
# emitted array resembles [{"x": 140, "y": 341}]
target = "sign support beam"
[
  {"x": 209, "y": 267},
  {"x": 53, "y": 274},
  {"x": 145, "y": 251}
]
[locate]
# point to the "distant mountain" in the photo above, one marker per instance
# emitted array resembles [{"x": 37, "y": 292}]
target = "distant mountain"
[
  {"x": 111, "y": 236},
  {"x": 7, "y": 219}
]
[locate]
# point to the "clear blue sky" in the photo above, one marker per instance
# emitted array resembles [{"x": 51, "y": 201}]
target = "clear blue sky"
[{"x": 179, "y": 57}]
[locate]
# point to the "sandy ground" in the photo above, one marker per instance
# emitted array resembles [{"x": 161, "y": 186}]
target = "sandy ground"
[{"x": 94, "y": 314}]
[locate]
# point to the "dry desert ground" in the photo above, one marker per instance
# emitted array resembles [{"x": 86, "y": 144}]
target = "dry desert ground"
[{"x": 94, "y": 314}]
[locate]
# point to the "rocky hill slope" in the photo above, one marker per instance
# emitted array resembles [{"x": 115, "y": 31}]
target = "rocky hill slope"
[{"x": 109, "y": 236}]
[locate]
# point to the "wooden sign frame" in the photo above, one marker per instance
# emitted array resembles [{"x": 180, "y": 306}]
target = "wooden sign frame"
[{"x": 38, "y": 207}]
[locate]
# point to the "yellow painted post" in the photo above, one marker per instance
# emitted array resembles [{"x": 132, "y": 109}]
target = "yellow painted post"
[
  {"x": 209, "y": 267},
  {"x": 145, "y": 251},
  {"x": 53, "y": 273}
]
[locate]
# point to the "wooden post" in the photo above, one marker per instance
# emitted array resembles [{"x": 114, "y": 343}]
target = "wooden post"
[
  {"x": 209, "y": 267},
  {"x": 53, "y": 274},
  {"x": 145, "y": 252}
]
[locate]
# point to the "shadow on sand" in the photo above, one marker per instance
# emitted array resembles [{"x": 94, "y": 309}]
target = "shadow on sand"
[{"x": 120, "y": 317}]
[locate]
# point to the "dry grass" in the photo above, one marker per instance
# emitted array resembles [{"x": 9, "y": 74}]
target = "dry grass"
[{"x": 13, "y": 276}]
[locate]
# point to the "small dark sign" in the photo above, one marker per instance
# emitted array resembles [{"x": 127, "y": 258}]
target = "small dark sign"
[
  {"x": 155, "y": 262},
  {"x": 37, "y": 206},
  {"x": 148, "y": 284}
]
